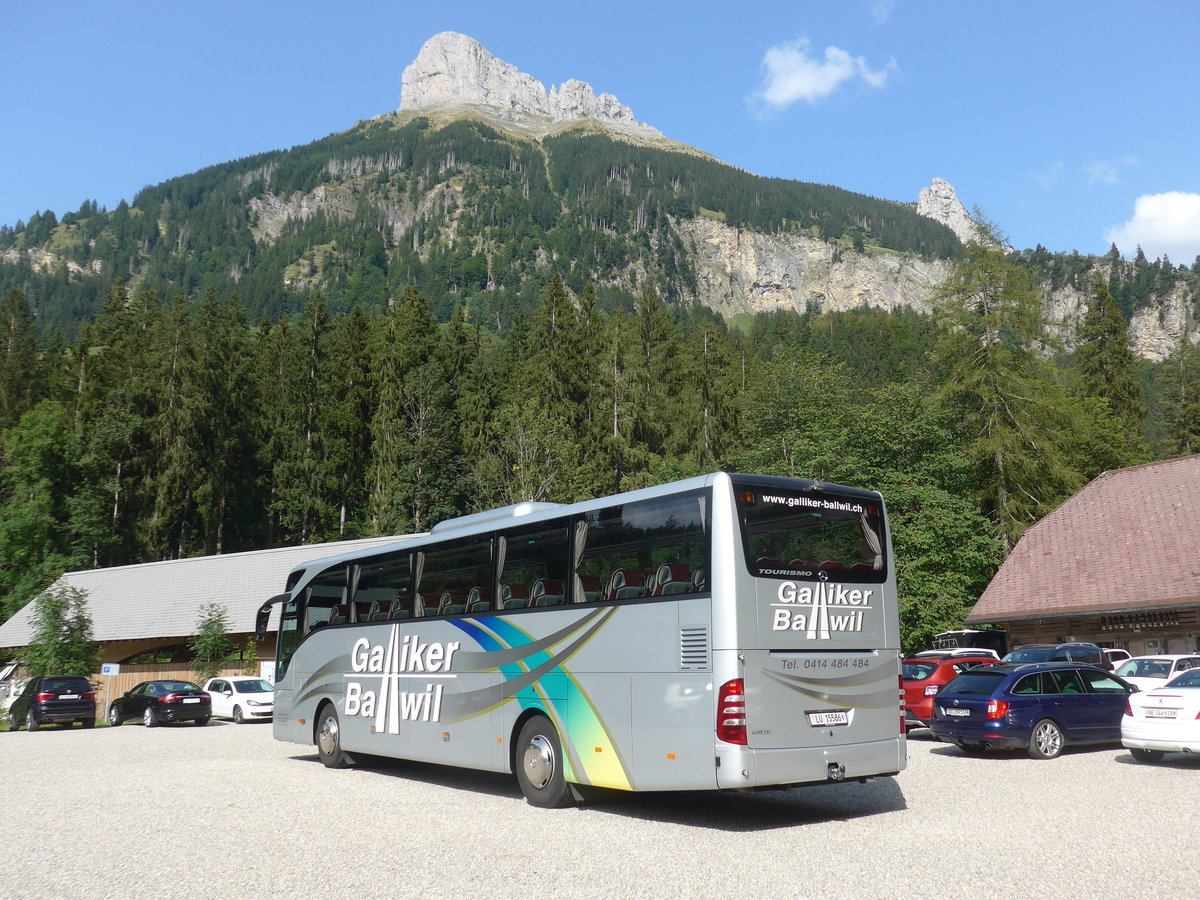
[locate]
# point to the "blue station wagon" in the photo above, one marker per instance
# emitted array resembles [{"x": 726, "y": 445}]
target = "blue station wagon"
[{"x": 1039, "y": 707}]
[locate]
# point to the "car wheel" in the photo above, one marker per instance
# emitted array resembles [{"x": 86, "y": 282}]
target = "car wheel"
[
  {"x": 972, "y": 749},
  {"x": 329, "y": 739},
  {"x": 1047, "y": 740},
  {"x": 88, "y": 723},
  {"x": 1146, "y": 756},
  {"x": 114, "y": 716},
  {"x": 31, "y": 722},
  {"x": 203, "y": 721},
  {"x": 238, "y": 718},
  {"x": 539, "y": 765},
  {"x": 14, "y": 724},
  {"x": 149, "y": 717}
]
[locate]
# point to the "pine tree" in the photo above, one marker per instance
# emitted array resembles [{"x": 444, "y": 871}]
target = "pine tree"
[
  {"x": 1108, "y": 368},
  {"x": 21, "y": 384},
  {"x": 1023, "y": 430},
  {"x": 1181, "y": 399}
]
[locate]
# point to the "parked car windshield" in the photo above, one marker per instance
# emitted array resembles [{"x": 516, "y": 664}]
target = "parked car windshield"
[
  {"x": 178, "y": 686},
  {"x": 1145, "y": 668},
  {"x": 972, "y": 682},
  {"x": 1190, "y": 678},
  {"x": 1030, "y": 655},
  {"x": 252, "y": 687},
  {"x": 66, "y": 684}
]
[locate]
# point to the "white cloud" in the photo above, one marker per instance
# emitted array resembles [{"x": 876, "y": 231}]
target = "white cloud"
[
  {"x": 881, "y": 10},
  {"x": 1162, "y": 223},
  {"x": 1107, "y": 171},
  {"x": 1049, "y": 179},
  {"x": 793, "y": 74}
]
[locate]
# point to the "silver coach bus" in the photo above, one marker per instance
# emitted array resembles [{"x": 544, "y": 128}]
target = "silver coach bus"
[{"x": 727, "y": 632}]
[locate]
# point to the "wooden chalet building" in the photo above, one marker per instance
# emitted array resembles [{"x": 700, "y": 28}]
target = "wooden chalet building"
[{"x": 1117, "y": 564}]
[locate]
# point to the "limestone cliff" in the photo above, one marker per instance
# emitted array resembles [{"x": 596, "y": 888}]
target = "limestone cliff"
[
  {"x": 742, "y": 271},
  {"x": 453, "y": 70},
  {"x": 940, "y": 203}
]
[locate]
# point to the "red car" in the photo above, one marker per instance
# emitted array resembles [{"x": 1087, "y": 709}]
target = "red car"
[{"x": 924, "y": 676}]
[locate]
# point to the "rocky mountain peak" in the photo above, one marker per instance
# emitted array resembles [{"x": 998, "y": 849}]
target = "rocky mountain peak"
[
  {"x": 940, "y": 203},
  {"x": 454, "y": 70}
]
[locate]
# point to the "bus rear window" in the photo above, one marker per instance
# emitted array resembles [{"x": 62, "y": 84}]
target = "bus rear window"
[{"x": 811, "y": 535}]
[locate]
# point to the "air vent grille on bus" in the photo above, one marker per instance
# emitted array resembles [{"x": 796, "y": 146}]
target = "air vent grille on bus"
[{"x": 693, "y": 648}]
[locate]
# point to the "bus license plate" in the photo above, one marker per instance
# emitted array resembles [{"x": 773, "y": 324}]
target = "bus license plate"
[
  {"x": 836, "y": 717},
  {"x": 1160, "y": 713},
  {"x": 951, "y": 711}
]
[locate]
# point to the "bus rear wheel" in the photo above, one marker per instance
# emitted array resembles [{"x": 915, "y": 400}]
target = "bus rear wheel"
[
  {"x": 539, "y": 765},
  {"x": 329, "y": 739}
]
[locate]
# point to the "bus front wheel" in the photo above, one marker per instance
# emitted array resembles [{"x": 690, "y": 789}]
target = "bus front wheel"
[
  {"x": 329, "y": 739},
  {"x": 539, "y": 765}
]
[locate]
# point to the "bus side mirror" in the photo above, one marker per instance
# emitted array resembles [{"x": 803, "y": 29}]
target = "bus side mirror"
[{"x": 264, "y": 614}]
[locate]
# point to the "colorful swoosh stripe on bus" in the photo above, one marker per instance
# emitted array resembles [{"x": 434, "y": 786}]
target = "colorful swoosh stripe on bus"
[
  {"x": 533, "y": 676},
  {"x": 844, "y": 691}
]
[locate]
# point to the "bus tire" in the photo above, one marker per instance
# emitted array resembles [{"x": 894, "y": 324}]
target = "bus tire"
[
  {"x": 538, "y": 762},
  {"x": 329, "y": 739}
]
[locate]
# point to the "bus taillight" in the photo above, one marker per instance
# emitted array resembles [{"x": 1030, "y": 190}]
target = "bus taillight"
[{"x": 731, "y": 712}]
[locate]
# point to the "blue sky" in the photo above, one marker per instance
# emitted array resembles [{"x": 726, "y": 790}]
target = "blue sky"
[{"x": 1070, "y": 124}]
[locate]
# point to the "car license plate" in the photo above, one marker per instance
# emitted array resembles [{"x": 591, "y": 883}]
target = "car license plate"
[
  {"x": 951, "y": 711},
  {"x": 191, "y": 699},
  {"x": 68, "y": 696},
  {"x": 1161, "y": 713},
  {"x": 837, "y": 717}
]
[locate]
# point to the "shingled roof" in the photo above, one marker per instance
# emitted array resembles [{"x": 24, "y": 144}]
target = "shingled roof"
[{"x": 1129, "y": 541}]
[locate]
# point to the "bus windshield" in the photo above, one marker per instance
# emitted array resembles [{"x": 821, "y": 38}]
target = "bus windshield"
[{"x": 800, "y": 534}]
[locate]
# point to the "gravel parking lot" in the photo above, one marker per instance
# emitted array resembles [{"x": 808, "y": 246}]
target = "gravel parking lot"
[{"x": 226, "y": 811}]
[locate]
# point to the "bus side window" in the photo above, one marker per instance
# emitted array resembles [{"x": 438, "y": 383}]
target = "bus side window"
[
  {"x": 325, "y": 599},
  {"x": 450, "y": 571},
  {"x": 384, "y": 585},
  {"x": 651, "y": 548},
  {"x": 534, "y": 565}
]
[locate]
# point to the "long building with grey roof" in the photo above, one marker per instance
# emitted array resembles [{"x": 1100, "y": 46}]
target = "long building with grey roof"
[{"x": 156, "y": 606}]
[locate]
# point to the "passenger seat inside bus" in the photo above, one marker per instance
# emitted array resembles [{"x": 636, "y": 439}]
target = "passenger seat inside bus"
[
  {"x": 401, "y": 607},
  {"x": 514, "y": 596},
  {"x": 479, "y": 600},
  {"x": 547, "y": 592},
  {"x": 625, "y": 584},
  {"x": 339, "y": 616},
  {"x": 452, "y": 603},
  {"x": 672, "y": 579}
]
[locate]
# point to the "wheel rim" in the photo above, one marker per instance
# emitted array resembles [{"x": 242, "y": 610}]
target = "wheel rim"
[
  {"x": 30, "y": 720},
  {"x": 113, "y": 716},
  {"x": 1049, "y": 739},
  {"x": 327, "y": 739},
  {"x": 539, "y": 761},
  {"x": 148, "y": 715}
]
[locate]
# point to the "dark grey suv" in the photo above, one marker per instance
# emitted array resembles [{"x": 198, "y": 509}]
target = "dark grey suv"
[
  {"x": 1068, "y": 651},
  {"x": 54, "y": 699}
]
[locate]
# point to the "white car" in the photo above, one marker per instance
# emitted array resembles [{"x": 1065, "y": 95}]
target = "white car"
[
  {"x": 1116, "y": 656},
  {"x": 1164, "y": 720},
  {"x": 1149, "y": 672},
  {"x": 243, "y": 698}
]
